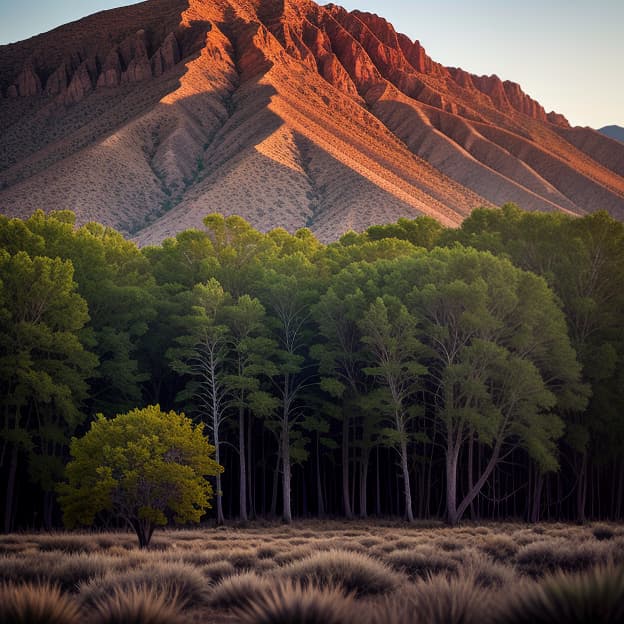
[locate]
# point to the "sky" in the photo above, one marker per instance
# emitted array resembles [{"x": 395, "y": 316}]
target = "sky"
[{"x": 567, "y": 54}]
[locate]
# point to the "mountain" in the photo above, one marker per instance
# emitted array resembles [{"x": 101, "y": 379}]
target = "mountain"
[
  {"x": 283, "y": 111},
  {"x": 615, "y": 132}
]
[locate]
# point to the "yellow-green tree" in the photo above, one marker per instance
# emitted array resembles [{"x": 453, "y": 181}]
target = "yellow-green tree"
[{"x": 146, "y": 467}]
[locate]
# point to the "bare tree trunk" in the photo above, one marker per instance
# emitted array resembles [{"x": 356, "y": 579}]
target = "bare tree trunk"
[
  {"x": 451, "y": 484},
  {"x": 537, "y": 497},
  {"x": 319, "y": 488},
  {"x": 364, "y": 483},
  {"x": 406, "y": 482},
  {"x": 581, "y": 492},
  {"x": 243, "y": 467},
  {"x": 345, "y": 466},
  {"x": 473, "y": 513},
  {"x": 220, "y": 517},
  {"x": 287, "y": 514},
  {"x": 10, "y": 491},
  {"x": 251, "y": 492},
  {"x": 275, "y": 481}
]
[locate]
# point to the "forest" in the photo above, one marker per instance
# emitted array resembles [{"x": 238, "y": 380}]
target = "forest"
[{"x": 407, "y": 371}]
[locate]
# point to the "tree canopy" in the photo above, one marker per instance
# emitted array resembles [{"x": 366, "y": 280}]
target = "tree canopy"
[{"x": 146, "y": 467}]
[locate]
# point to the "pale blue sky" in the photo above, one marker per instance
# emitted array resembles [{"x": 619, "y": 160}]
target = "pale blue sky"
[{"x": 569, "y": 55}]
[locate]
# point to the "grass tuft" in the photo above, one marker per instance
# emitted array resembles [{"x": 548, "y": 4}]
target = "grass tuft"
[
  {"x": 422, "y": 562},
  {"x": 292, "y": 603},
  {"x": 594, "y": 597},
  {"x": 183, "y": 582},
  {"x": 354, "y": 572},
  {"x": 36, "y": 604},
  {"x": 138, "y": 605},
  {"x": 238, "y": 590}
]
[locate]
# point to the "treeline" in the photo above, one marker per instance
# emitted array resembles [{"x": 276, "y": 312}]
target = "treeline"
[{"x": 410, "y": 370}]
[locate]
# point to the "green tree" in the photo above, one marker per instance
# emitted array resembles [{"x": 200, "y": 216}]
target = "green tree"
[
  {"x": 250, "y": 349},
  {"x": 289, "y": 288},
  {"x": 44, "y": 366},
  {"x": 146, "y": 467},
  {"x": 502, "y": 367},
  {"x": 583, "y": 262},
  {"x": 390, "y": 333},
  {"x": 204, "y": 356}
]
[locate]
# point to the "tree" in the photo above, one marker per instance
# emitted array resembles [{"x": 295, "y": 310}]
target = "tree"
[
  {"x": 289, "y": 288},
  {"x": 250, "y": 351},
  {"x": 204, "y": 355},
  {"x": 502, "y": 367},
  {"x": 147, "y": 468},
  {"x": 44, "y": 366},
  {"x": 390, "y": 333}
]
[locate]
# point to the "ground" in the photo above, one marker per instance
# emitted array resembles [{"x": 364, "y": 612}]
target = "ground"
[{"x": 387, "y": 570}]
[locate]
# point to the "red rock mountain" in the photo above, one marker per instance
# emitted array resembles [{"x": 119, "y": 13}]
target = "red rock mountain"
[{"x": 283, "y": 111}]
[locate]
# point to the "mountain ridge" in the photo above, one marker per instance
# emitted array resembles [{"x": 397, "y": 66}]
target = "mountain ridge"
[
  {"x": 286, "y": 112},
  {"x": 613, "y": 131}
]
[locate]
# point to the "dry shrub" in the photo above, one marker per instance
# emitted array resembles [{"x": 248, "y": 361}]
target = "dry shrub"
[
  {"x": 218, "y": 570},
  {"x": 241, "y": 558},
  {"x": 603, "y": 532},
  {"x": 500, "y": 547},
  {"x": 354, "y": 572},
  {"x": 266, "y": 552},
  {"x": 594, "y": 597},
  {"x": 68, "y": 543},
  {"x": 36, "y": 604},
  {"x": 487, "y": 573},
  {"x": 549, "y": 556},
  {"x": 237, "y": 590},
  {"x": 448, "y": 545},
  {"x": 292, "y": 603},
  {"x": 181, "y": 581},
  {"x": 65, "y": 570},
  {"x": 423, "y": 562},
  {"x": 138, "y": 605},
  {"x": 439, "y": 600},
  {"x": 295, "y": 554}
]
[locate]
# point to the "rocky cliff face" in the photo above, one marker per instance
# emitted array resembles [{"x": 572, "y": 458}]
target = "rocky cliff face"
[{"x": 283, "y": 111}]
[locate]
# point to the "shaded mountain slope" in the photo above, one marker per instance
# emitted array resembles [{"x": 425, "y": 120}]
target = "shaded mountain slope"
[{"x": 288, "y": 113}]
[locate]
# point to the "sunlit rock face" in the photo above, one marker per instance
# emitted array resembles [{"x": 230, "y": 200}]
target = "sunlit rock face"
[{"x": 285, "y": 112}]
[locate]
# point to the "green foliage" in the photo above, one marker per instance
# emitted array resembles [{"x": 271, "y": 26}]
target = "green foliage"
[{"x": 146, "y": 467}]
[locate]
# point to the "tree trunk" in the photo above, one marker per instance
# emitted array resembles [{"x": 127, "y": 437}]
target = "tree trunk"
[
  {"x": 243, "y": 467},
  {"x": 406, "y": 482},
  {"x": 287, "y": 515},
  {"x": 10, "y": 491},
  {"x": 275, "y": 482},
  {"x": 364, "y": 483},
  {"x": 220, "y": 517},
  {"x": 536, "y": 505},
  {"x": 319, "y": 488},
  {"x": 345, "y": 465},
  {"x": 251, "y": 491},
  {"x": 452, "y": 455},
  {"x": 473, "y": 512},
  {"x": 581, "y": 492},
  {"x": 144, "y": 530}
]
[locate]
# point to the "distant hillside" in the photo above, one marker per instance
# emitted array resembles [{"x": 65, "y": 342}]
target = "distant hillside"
[
  {"x": 288, "y": 113},
  {"x": 615, "y": 132}
]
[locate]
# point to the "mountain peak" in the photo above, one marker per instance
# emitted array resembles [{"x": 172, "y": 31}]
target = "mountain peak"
[{"x": 286, "y": 112}]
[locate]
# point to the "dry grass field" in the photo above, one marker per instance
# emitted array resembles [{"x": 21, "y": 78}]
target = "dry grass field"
[{"x": 330, "y": 572}]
